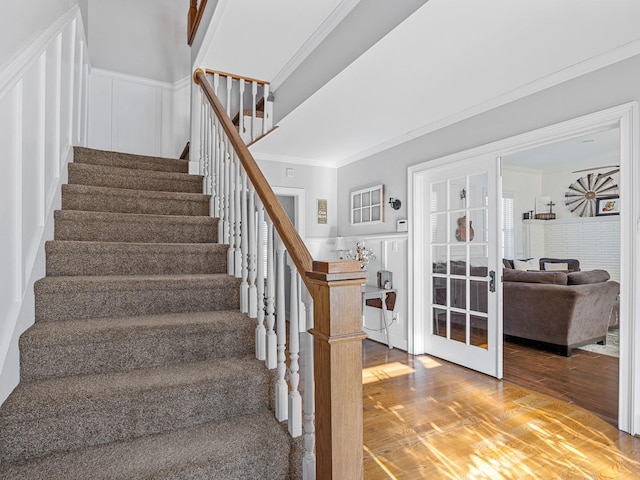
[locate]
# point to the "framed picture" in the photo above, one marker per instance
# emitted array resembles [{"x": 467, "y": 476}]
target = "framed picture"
[
  {"x": 367, "y": 205},
  {"x": 322, "y": 211},
  {"x": 542, "y": 204},
  {"x": 607, "y": 206}
]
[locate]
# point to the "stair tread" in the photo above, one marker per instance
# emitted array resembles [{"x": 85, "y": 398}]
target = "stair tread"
[
  {"x": 129, "y": 160},
  {"x": 127, "y": 192},
  {"x": 86, "y": 246},
  {"x": 116, "y": 217},
  {"x": 66, "y": 332},
  {"x": 206, "y": 451},
  {"x": 53, "y": 396},
  {"x": 83, "y": 283},
  {"x": 110, "y": 170}
]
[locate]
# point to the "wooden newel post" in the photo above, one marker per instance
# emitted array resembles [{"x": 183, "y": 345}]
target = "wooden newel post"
[{"x": 338, "y": 339}]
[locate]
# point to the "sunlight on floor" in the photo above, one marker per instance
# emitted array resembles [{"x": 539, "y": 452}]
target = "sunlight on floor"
[{"x": 385, "y": 372}]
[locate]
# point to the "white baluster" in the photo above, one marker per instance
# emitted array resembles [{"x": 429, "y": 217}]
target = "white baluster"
[
  {"x": 295, "y": 400},
  {"x": 266, "y": 114},
  {"x": 222, "y": 185},
  {"x": 254, "y": 114},
  {"x": 281, "y": 331},
  {"x": 229, "y": 81},
  {"x": 203, "y": 108},
  {"x": 244, "y": 249},
  {"x": 253, "y": 254},
  {"x": 217, "y": 208},
  {"x": 208, "y": 181},
  {"x": 237, "y": 253},
  {"x": 241, "y": 112},
  {"x": 261, "y": 332},
  {"x": 203, "y": 143},
  {"x": 272, "y": 351},
  {"x": 231, "y": 253},
  {"x": 227, "y": 191},
  {"x": 309, "y": 460}
]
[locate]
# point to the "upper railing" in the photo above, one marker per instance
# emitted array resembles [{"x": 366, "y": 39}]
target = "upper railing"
[
  {"x": 331, "y": 338},
  {"x": 196, "y": 9}
]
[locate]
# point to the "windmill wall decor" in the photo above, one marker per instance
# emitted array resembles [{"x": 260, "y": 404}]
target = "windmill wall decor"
[{"x": 584, "y": 192}]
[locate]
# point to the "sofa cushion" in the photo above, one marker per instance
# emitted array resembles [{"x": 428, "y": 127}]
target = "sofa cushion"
[
  {"x": 531, "y": 264},
  {"x": 555, "y": 278},
  {"x": 593, "y": 276}
]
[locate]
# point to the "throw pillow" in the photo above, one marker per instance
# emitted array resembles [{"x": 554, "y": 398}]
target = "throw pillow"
[
  {"x": 530, "y": 264},
  {"x": 556, "y": 266}
]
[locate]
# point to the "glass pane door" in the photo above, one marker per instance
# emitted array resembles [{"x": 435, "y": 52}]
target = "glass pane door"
[{"x": 460, "y": 233}]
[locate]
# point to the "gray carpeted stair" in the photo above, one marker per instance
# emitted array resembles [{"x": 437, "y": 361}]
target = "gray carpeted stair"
[
  {"x": 113, "y": 258},
  {"x": 70, "y": 298},
  {"x": 211, "y": 451},
  {"x": 128, "y": 227},
  {"x": 107, "y": 199},
  {"x": 140, "y": 364},
  {"x": 101, "y": 176},
  {"x": 128, "y": 160},
  {"x": 73, "y": 347}
]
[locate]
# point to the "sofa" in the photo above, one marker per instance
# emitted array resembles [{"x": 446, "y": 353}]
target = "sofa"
[{"x": 558, "y": 310}]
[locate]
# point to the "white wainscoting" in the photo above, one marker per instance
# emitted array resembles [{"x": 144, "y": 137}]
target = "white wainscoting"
[
  {"x": 138, "y": 115},
  {"x": 391, "y": 251},
  {"x": 595, "y": 241},
  {"x": 43, "y": 92}
]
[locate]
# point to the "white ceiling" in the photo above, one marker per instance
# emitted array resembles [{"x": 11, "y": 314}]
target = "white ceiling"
[
  {"x": 449, "y": 60},
  {"x": 599, "y": 149}
]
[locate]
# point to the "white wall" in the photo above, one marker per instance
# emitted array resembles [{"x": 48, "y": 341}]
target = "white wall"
[
  {"x": 42, "y": 94},
  {"x": 525, "y": 185},
  {"x": 144, "y": 38},
  {"x": 318, "y": 183},
  {"x": 22, "y": 22},
  {"x": 138, "y": 115}
]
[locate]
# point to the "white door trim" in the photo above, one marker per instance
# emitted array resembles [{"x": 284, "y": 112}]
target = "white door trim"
[
  {"x": 624, "y": 117},
  {"x": 299, "y": 205}
]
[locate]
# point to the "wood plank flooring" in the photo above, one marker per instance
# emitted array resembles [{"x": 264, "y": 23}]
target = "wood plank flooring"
[
  {"x": 425, "y": 418},
  {"x": 587, "y": 379}
]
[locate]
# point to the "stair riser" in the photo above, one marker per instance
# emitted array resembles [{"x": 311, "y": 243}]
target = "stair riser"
[
  {"x": 134, "y": 181},
  {"x": 255, "y": 447},
  {"x": 120, "y": 260},
  {"x": 97, "y": 422},
  {"x": 134, "y": 230},
  {"x": 129, "y": 204},
  {"x": 124, "y": 160},
  {"x": 139, "y": 349},
  {"x": 72, "y": 305}
]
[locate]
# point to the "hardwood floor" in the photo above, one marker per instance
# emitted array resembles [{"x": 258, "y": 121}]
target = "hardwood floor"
[
  {"x": 586, "y": 379},
  {"x": 427, "y": 418}
]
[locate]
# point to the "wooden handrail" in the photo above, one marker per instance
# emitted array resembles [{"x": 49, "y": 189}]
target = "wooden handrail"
[
  {"x": 335, "y": 288},
  {"x": 295, "y": 246},
  {"x": 194, "y": 18},
  {"x": 208, "y": 71}
]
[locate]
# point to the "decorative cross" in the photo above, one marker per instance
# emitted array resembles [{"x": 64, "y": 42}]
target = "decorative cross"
[{"x": 551, "y": 205}]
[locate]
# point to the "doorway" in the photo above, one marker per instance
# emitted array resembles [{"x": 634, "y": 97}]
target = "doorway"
[
  {"x": 553, "y": 192},
  {"x": 623, "y": 117}
]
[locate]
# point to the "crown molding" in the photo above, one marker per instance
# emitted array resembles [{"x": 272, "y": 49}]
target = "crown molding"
[{"x": 322, "y": 32}]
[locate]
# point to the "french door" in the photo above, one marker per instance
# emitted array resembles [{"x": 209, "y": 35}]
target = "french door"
[{"x": 461, "y": 300}]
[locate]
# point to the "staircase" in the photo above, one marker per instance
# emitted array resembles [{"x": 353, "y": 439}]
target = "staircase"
[{"x": 140, "y": 364}]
